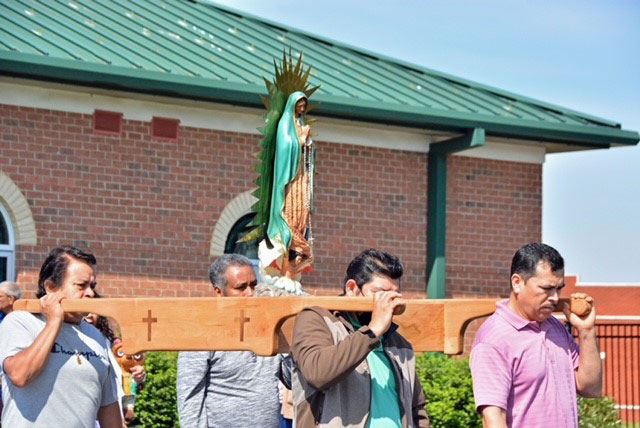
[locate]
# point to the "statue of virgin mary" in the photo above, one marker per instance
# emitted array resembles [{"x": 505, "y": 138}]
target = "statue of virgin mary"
[
  {"x": 282, "y": 224},
  {"x": 289, "y": 228}
]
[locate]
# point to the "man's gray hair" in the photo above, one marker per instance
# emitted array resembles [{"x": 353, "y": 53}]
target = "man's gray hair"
[
  {"x": 11, "y": 289},
  {"x": 218, "y": 269}
]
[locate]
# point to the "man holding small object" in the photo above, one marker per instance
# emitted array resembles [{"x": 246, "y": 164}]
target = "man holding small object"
[
  {"x": 55, "y": 366},
  {"x": 525, "y": 365},
  {"x": 355, "y": 369}
]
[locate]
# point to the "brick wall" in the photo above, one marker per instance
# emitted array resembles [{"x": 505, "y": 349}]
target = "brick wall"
[
  {"x": 147, "y": 207},
  {"x": 368, "y": 198},
  {"x": 493, "y": 208}
]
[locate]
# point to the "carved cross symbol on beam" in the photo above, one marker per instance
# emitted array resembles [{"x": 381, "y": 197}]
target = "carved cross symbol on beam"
[
  {"x": 242, "y": 319},
  {"x": 149, "y": 321}
]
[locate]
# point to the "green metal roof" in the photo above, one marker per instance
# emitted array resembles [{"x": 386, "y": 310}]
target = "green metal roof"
[{"x": 203, "y": 51}]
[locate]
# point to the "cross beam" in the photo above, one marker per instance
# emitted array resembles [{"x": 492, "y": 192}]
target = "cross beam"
[{"x": 263, "y": 324}]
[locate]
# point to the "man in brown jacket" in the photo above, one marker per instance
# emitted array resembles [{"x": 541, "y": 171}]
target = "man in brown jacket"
[{"x": 354, "y": 369}]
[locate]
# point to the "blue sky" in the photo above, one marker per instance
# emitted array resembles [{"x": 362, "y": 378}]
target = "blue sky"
[{"x": 577, "y": 54}]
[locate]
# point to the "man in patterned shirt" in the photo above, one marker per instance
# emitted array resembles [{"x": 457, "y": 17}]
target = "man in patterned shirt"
[{"x": 230, "y": 388}]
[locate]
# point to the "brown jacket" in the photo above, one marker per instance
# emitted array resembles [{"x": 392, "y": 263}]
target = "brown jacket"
[{"x": 331, "y": 381}]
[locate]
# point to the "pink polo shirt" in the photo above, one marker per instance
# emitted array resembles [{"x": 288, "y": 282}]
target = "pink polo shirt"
[{"x": 526, "y": 369}]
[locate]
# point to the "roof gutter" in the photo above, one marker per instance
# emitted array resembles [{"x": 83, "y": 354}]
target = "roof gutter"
[{"x": 244, "y": 94}]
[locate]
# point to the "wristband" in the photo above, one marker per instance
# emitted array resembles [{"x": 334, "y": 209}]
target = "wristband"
[{"x": 370, "y": 333}]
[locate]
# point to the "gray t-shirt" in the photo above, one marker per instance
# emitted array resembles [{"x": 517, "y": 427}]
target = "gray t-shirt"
[
  {"x": 76, "y": 381},
  {"x": 230, "y": 389}
]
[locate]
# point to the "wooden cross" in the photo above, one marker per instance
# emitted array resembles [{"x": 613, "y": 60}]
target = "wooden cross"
[
  {"x": 242, "y": 320},
  {"x": 189, "y": 324},
  {"x": 149, "y": 320}
]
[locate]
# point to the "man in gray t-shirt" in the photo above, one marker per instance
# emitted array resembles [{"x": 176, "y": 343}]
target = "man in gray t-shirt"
[
  {"x": 76, "y": 380},
  {"x": 217, "y": 389},
  {"x": 56, "y": 369}
]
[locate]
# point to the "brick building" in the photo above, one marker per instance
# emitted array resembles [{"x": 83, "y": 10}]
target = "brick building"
[{"x": 132, "y": 132}]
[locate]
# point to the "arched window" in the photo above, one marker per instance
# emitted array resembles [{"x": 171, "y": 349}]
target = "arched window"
[
  {"x": 7, "y": 248},
  {"x": 232, "y": 226},
  {"x": 237, "y": 232},
  {"x": 233, "y": 221}
]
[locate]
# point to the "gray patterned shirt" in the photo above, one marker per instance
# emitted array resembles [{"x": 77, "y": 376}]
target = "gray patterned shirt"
[{"x": 230, "y": 389}]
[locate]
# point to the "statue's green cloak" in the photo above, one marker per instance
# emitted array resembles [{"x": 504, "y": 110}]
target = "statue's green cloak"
[{"x": 287, "y": 164}]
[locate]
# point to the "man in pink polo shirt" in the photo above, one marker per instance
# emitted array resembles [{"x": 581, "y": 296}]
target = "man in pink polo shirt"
[{"x": 526, "y": 367}]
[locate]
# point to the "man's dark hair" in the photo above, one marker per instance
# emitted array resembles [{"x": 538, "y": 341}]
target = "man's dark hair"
[
  {"x": 526, "y": 259},
  {"x": 218, "y": 270},
  {"x": 373, "y": 262},
  {"x": 54, "y": 268}
]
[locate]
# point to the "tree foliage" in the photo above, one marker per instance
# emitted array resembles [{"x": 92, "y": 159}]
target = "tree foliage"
[
  {"x": 446, "y": 382},
  {"x": 598, "y": 413},
  {"x": 447, "y": 385},
  {"x": 157, "y": 404}
]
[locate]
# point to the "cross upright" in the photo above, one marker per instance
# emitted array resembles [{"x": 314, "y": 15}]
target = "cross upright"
[
  {"x": 149, "y": 321},
  {"x": 242, "y": 319}
]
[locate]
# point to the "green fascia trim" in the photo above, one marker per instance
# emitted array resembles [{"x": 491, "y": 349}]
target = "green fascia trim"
[
  {"x": 158, "y": 83},
  {"x": 411, "y": 66},
  {"x": 437, "y": 207},
  {"x": 588, "y": 136},
  {"x": 193, "y": 87}
]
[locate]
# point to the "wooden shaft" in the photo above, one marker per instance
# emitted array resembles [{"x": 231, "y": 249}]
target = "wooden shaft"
[
  {"x": 263, "y": 324},
  {"x": 336, "y": 303},
  {"x": 288, "y": 304}
]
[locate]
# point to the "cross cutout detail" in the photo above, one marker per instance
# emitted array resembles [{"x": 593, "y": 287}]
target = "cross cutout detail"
[
  {"x": 242, "y": 319},
  {"x": 149, "y": 321}
]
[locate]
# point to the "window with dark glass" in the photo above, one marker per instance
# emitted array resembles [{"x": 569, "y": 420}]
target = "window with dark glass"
[
  {"x": 4, "y": 231},
  {"x": 237, "y": 232},
  {"x": 3, "y": 268},
  {"x": 7, "y": 248}
]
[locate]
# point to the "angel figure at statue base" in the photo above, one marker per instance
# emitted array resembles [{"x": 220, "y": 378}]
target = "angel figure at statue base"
[{"x": 281, "y": 272}]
